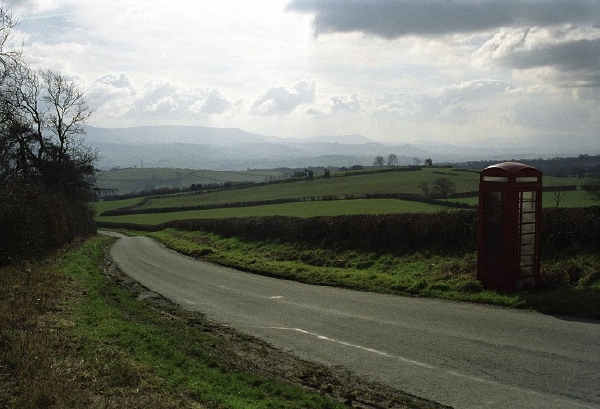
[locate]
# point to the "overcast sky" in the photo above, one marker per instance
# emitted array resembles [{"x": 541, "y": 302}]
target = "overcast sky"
[{"x": 452, "y": 71}]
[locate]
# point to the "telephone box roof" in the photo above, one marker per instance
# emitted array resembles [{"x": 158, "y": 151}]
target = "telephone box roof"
[{"x": 511, "y": 168}]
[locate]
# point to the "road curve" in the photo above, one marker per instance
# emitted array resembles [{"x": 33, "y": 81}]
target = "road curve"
[{"x": 458, "y": 354}]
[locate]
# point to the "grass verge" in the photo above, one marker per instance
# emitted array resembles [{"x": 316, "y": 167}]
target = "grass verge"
[
  {"x": 70, "y": 336},
  {"x": 571, "y": 287}
]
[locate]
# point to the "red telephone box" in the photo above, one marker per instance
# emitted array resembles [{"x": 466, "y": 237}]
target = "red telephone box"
[{"x": 510, "y": 214}]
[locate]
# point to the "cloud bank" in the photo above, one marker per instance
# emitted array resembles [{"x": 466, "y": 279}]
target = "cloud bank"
[
  {"x": 280, "y": 100},
  {"x": 525, "y": 34},
  {"x": 396, "y": 18},
  {"x": 394, "y": 70}
]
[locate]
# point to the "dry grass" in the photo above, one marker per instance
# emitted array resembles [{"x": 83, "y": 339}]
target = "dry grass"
[
  {"x": 35, "y": 370},
  {"x": 71, "y": 337},
  {"x": 42, "y": 365}
]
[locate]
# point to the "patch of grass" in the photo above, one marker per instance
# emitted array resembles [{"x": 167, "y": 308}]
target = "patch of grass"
[
  {"x": 105, "y": 205},
  {"x": 577, "y": 198},
  {"x": 181, "y": 356},
  {"x": 136, "y": 179},
  {"x": 37, "y": 369},
  {"x": 571, "y": 287},
  {"x": 71, "y": 337}
]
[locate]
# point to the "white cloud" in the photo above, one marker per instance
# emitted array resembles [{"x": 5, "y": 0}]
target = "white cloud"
[
  {"x": 215, "y": 103},
  {"x": 116, "y": 81},
  {"x": 154, "y": 101},
  {"x": 279, "y": 100},
  {"x": 345, "y": 104},
  {"x": 460, "y": 100},
  {"x": 403, "y": 105},
  {"x": 387, "y": 68},
  {"x": 34, "y": 8},
  {"x": 474, "y": 90},
  {"x": 556, "y": 114},
  {"x": 571, "y": 53},
  {"x": 111, "y": 96}
]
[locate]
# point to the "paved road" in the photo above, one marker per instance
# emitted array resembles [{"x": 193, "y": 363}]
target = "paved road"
[{"x": 458, "y": 354}]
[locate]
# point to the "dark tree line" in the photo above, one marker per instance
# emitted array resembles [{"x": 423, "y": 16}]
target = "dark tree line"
[
  {"x": 47, "y": 175},
  {"x": 581, "y": 166}
]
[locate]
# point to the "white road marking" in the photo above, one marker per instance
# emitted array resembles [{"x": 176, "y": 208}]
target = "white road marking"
[
  {"x": 348, "y": 344},
  {"x": 431, "y": 367}
]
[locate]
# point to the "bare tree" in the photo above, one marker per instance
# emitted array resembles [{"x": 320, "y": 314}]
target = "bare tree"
[
  {"x": 7, "y": 24},
  {"x": 379, "y": 161},
  {"x": 392, "y": 159},
  {"x": 21, "y": 115},
  {"x": 67, "y": 111},
  {"x": 41, "y": 121},
  {"x": 444, "y": 187},
  {"x": 558, "y": 195},
  {"x": 47, "y": 175}
]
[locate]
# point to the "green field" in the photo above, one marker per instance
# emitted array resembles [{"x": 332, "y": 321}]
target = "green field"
[
  {"x": 347, "y": 186},
  {"x": 137, "y": 179},
  {"x": 577, "y": 198},
  {"x": 312, "y": 193}
]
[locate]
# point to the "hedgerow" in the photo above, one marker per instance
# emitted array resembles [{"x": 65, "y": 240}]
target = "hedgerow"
[
  {"x": 35, "y": 219},
  {"x": 447, "y": 232}
]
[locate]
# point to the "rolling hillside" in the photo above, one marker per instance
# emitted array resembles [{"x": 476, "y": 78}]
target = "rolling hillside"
[{"x": 375, "y": 192}]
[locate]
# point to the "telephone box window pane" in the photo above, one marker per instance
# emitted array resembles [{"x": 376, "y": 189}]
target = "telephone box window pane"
[
  {"x": 528, "y": 218},
  {"x": 493, "y": 197},
  {"x": 495, "y": 179},
  {"x": 527, "y": 248},
  {"x": 527, "y": 207},
  {"x": 528, "y": 228},
  {"x": 527, "y": 196},
  {"x": 526, "y": 270},
  {"x": 493, "y": 227},
  {"x": 528, "y": 239},
  {"x": 526, "y": 260}
]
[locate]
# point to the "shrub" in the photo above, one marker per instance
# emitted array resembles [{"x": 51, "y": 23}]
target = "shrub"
[
  {"x": 448, "y": 232},
  {"x": 569, "y": 228},
  {"x": 35, "y": 219}
]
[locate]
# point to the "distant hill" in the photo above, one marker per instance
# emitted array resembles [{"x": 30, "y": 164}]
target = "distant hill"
[
  {"x": 167, "y": 134},
  {"x": 232, "y": 149},
  {"x": 197, "y": 147},
  {"x": 353, "y": 139}
]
